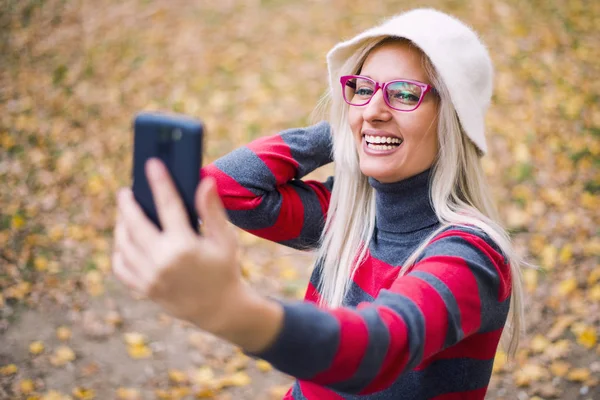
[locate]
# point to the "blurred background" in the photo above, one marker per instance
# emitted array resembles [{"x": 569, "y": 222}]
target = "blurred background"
[{"x": 74, "y": 73}]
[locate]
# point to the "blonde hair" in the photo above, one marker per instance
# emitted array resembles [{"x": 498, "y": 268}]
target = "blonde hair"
[{"x": 459, "y": 195}]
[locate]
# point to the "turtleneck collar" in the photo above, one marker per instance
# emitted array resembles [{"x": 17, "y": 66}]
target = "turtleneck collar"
[{"x": 404, "y": 206}]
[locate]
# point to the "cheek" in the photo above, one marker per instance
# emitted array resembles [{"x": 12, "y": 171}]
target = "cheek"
[
  {"x": 422, "y": 129},
  {"x": 355, "y": 120}
]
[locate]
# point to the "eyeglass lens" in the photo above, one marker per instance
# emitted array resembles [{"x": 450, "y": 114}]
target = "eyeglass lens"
[{"x": 401, "y": 95}]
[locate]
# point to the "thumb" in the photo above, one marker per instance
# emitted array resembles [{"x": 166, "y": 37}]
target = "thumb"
[{"x": 212, "y": 213}]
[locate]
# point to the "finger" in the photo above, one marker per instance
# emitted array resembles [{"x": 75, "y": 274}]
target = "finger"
[
  {"x": 135, "y": 258},
  {"x": 124, "y": 274},
  {"x": 212, "y": 213},
  {"x": 141, "y": 230},
  {"x": 169, "y": 206}
]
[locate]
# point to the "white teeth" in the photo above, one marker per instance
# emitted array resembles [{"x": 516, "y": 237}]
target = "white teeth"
[
  {"x": 382, "y": 139},
  {"x": 380, "y": 146}
]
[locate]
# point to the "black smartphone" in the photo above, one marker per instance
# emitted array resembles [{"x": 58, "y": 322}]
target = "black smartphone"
[{"x": 177, "y": 141}]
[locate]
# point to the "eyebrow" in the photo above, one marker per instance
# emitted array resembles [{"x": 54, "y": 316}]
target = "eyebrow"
[{"x": 398, "y": 79}]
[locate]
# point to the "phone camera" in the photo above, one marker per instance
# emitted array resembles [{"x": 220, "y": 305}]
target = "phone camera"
[
  {"x": 176, "y": 134},
  {"x": 164, "y": 134}
]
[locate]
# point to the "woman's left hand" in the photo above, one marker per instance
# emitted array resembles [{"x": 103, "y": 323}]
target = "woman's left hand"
[{"x": 195, "y": 278}]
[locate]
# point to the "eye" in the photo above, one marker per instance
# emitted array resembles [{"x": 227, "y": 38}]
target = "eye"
[
  {"x": 405, "y": 93},
  {"x": 364, "y": 91},
  {"x": 404, "y": 97}
]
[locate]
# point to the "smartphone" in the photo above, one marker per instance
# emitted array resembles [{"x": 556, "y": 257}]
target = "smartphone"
[{"x": 177, "y": 141}]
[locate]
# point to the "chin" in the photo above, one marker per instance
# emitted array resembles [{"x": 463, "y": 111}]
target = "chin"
[
  {"x": 385, "y": 171},
  {"x": 381, "y": 176}
]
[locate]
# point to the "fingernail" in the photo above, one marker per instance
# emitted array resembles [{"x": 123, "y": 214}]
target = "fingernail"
[
  {"x": 156, "y": 168},
  {"x": 121, "y": 194},
  {"x": 211, "y": 183}
]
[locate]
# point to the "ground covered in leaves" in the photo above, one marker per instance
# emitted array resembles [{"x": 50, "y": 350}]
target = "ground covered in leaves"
[{"x": 73, "y": 74}]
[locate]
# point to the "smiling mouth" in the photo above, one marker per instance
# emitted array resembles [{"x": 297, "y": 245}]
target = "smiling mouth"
[{"x": 382, "y": 142}]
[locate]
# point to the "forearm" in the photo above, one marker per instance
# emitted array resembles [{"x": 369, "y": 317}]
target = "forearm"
[
  {"x": 270, "y": 161},
  {"x": 262, "y": 191},
  {"x": 342, "y": 348},
  {"x": 252, "y": 321}
]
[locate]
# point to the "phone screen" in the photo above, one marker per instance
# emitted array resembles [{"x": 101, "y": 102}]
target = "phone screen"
[{"x": 177, "y": 141}]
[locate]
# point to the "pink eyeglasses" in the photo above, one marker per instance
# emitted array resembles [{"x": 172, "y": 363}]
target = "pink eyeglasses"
[{"x": 401, "y": 95}]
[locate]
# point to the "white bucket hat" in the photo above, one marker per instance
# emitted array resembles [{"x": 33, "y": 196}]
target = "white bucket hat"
[{"x": 456, "y": 52}]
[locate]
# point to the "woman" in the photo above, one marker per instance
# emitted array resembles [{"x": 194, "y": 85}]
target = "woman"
[{"x": 414, "y": 277}]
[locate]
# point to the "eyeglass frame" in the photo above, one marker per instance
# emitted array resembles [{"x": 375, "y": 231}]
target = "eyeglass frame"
[{"x": 425, "y": 88}]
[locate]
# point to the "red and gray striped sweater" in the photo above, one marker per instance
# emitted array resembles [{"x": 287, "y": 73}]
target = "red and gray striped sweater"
[{"x": 429, "y": 334}]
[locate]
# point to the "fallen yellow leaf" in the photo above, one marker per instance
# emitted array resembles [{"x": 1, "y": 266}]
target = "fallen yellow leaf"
[
  {"x": 55, "y": 395},
  {"x": 587, "y": 338},
  {"x": 206, "y": 393},
  {"x": 180, "y": 392},
  {"x": 277, "y": 392},
  {"x": 289, "y": 273},
  {"x": 18, "y": 291},
  {"x": 26, "y": 386},
  {"x": 263, "y": 366},
  {"x": 578, "y": 327},
  {"x": 40, "y": 263},
  {"x": 521, "y": 153},
  {"x": 7, "y": 142},
  {"x": 113, "y": 318},
  {"x": 567, "y": 286},
  {"x": 238, "y": 379},
  {"x": 558, "y": 349},
  {"x": 579, "y": 375},
  {"x": 530, "y": 277},
  {"x": 139, "y": 351},
  {"x": 76, "y": 232},
  {"x": 83, "y": 393},
  {"x": 135, "y": 338},
  {"x": 94, "y": 283},
  {"x": 248, "y": 269},
  {"x": 17, "y": 222},
  {"x": 9, "y": 369},
  {"x": 56, "y": 233},
  {"x": 566, "y": 254},
  {"x": 102, "y": 262},
  {"x": 163, "y": 394},
  {"x": 128, "y": 394},
  {"x": 559, "y": 368},
  {"x": 561, "y": 324},
  {"x": 539, "y": 343},
  {"x": 548, "y": 257},
  {"x": 36, "y": 347},
  {"x": 499, "y": 361},
  {"x": 236, "y": 363},
  {"x": 177, "y": 376},
  {"x": 594, "y": 276},
  {"x": 63, "y": 333},
  {"x": 516, "y": 218},
  {"x": 203, "y": 376},
  {"x": 594, "y": 293},
  {"x": 95, "y": 185},
  {"x": 528, "y": 374},
  {"x": 62, "y": 356}
]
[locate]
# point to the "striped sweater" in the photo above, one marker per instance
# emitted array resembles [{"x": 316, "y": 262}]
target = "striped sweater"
[{"x": 429, "y": 334}]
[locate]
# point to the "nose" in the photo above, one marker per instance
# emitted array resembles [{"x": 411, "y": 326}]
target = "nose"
[{"x": 377, "y": 109}]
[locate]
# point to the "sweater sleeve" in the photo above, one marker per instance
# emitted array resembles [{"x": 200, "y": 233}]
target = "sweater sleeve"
[
  {"x": 261, "y": 186},
  {"x": 460, "y": 286}
]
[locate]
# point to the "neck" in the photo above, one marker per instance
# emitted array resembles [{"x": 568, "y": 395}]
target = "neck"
[{"x": 404, "y": 206}]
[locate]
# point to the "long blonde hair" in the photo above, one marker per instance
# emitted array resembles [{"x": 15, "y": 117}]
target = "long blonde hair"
[{"x": 459, "y": 195}]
